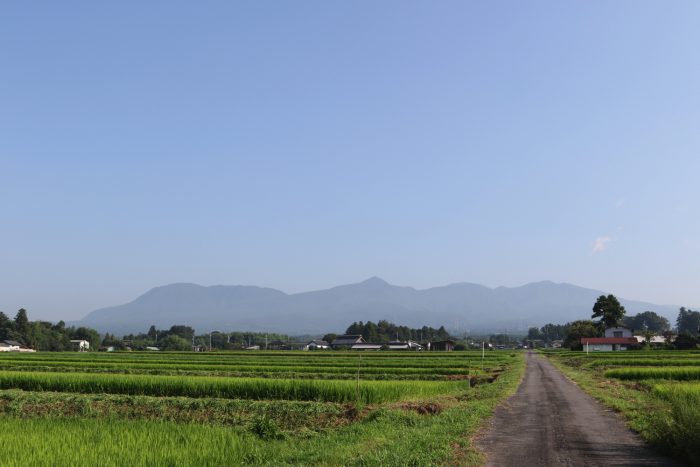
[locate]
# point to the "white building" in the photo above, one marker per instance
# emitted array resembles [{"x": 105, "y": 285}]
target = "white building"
[{"x": 81, "y": 345}]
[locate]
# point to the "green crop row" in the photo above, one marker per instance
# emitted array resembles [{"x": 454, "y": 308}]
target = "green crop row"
[
  {"x": 231, "y": 388},
  {"x": 640, "y": 373}
]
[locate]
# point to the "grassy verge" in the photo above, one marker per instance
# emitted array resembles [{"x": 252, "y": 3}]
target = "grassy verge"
[{"x": 667, "y": 420}]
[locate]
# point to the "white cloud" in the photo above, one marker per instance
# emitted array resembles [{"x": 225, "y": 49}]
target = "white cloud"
[
  {"x": 600, "y": 244},
  {"x": 620, "y": 203}
]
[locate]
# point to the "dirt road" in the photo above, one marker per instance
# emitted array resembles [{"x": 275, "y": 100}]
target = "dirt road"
[{"x": 551, "y": 422}]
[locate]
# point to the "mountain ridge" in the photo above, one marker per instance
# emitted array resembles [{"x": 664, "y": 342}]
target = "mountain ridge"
[{"x": 459, "y": 306}]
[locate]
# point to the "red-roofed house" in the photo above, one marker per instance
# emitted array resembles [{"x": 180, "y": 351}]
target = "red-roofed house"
[{"x": 615, "y": 339}]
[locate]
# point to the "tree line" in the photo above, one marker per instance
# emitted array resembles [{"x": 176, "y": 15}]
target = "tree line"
[
  {"x": 43, "y": 335},
  {"x": 607, "y": 313},
  {"x": 383, "y": 332}
]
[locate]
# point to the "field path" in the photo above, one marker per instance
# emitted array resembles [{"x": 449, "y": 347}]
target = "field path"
[{"x": 551, "y": 422}]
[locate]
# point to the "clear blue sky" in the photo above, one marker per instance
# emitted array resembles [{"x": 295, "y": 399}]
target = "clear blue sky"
[{"x": 305, "y": 144}]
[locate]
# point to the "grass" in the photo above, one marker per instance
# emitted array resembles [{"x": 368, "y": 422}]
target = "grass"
[{"x": 666, "y": 415}]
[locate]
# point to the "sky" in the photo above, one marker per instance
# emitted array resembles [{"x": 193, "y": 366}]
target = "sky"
[{"x": 305, "y": 144}]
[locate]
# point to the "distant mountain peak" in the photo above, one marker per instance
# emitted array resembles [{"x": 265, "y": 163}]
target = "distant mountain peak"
[{"x": 374, "y": 280}]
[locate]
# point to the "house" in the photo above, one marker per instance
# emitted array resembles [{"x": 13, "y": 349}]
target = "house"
[
  {"x": 14, "y": 346},
  {"x": 444, "y": 346},
  {"x": 10, "y": 346},
  {"x": 347, "y": 341},
  {"x": 80, "y": 345},
  {"x": 408, "y": 345},
  {"x": 557, "y": 344},
  {"x": 615, "y": 339},
  {"x": 618, "y": 332},
  {"x": 317, "y": 345}
]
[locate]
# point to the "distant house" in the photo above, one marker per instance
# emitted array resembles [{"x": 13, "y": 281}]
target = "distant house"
[
  {"x": 14, "y": 346},
  {"x": 654, "y": 340},
  {"x": 253, "y": 347},
  {"x": 282, "y": 345},
  {"x": 408, "y": 345},
  {"x": 80, "y": 345},
  {"x": 443, "y": 346},
  {"x": 615, "y": 339},
  {"x": 153, "y": 349},
  {"x": 317, "y": 345},
  {"x": 347, "y": 341},
  {"x": 557, "y": 344}
]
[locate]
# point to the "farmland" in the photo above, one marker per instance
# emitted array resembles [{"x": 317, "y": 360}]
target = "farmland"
[
  {"x": 658, "y": 392},
  {"x": 295, "y": 408}
]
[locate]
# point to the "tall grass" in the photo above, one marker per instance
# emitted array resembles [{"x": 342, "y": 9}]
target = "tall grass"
[{"x": 679, "y": 431}]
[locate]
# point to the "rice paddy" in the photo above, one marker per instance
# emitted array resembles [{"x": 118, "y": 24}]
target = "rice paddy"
[{"x": 292, "y": 408}]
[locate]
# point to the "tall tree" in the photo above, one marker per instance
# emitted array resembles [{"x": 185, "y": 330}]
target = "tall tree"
[
  {"x": 577, "y": 330},
  {"x": 22, "y": 324},
  {"x": 5, "y": 326},
  {"x": 608, "y": 311},
  {"x": 647, "y": 321},
  {"x": 688, "y": 322}
]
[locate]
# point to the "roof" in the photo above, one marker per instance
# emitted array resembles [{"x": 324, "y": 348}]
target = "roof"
[
  {"x": 15, "y": 343},
  {"x": 79, "y": 340},
  {"x": 348, "y": 339},
  {"x": 609, "y": 340},
  {"x": 367, "y": 346},
  {"x": 318, "y": 343}
]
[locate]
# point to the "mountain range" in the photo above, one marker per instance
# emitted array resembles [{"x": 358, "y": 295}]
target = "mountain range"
[{"x": 459, "y": 307}]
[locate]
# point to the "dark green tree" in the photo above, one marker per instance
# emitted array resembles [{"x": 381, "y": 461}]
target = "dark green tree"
[
  {"x": 174, "y": 342},
  {"x": 688, "y": 322},
  {"x": 21, "y": 326},
  {"x": 608, "y": 311},
  {"x": 6, "y": 326},
  {"x": 647, "y": 321},
  {"x": 186, "y": 332},
  {"x": 577, "y": 330}
]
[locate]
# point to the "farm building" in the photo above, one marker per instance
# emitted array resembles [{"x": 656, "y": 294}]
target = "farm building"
[
  {"x": 366, "y": 346},
  {"x": 317, "y": 345},
  {"x": 408, "y": 345},
  {"x": 347, "y": 341},
  {"x": 444, "y": 346},
  {"x": 655, "y": 340},
  {"x": 81, "y": 345}
]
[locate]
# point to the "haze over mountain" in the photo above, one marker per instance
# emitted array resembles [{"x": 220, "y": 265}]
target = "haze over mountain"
[{"x": 461, "y": 306}]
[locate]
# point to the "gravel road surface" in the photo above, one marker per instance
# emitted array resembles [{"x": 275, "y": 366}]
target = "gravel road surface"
[{"x": 551, "y": 422}]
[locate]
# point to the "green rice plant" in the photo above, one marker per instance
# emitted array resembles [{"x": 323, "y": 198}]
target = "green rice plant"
[
  {"x": 640, "y": 373},
  {"x": 236, "y": 388}
]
